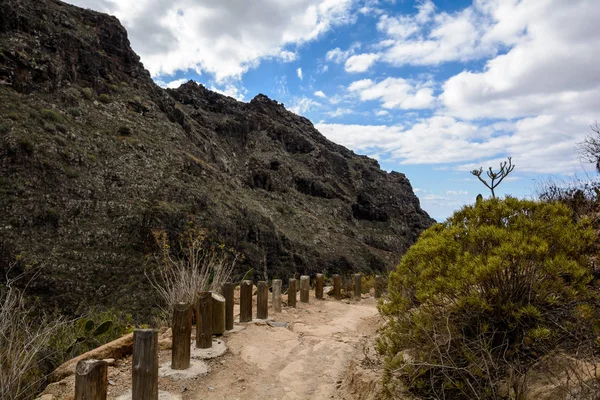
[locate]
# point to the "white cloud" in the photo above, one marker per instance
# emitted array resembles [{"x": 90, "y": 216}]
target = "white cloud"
[
  {"x": 234, "y": 90},
  {"x": 299, "y": 73},
  {"x": 551, "y": 69},
  {"x": 319, "y": 93},
  {"x": 456, "y": 192},
  {"x": 303, "y": 105},
  {"x": 339, "y": 112},
  {"x": 339, "y": 56},
  {"x": 395, "y": 93},
  {"x": 172, "y": 84},
  {"x": 224, "y": 38},
  {"x": 382, "y": 113},
  {"x": 361, "y": 62}
]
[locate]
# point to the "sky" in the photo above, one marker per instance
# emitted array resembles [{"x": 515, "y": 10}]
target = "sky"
[{"x": 429, "y": 88}]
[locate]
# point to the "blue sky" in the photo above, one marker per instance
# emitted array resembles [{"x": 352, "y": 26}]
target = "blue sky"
[{"x": 432, "y": 89}]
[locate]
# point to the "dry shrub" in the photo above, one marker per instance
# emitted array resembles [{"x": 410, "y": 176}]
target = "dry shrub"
[
  {"x": 192, "y": 264},
  {"x": 24, "y": 344}
]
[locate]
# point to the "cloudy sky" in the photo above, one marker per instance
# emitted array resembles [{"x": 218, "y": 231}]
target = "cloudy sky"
[{"x": 432, "y": 89}]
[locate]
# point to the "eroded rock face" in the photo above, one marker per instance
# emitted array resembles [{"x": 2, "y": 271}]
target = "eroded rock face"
[{"x": 94, "y": 157}]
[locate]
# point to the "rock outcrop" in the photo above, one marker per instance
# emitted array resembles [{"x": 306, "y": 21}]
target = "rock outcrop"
[{"x": 94, "y": 157}]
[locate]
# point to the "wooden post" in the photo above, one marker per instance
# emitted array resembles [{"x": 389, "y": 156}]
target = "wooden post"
[
  {"x": 277, "y": 295},
  {"x": 357, "y": 289},
  {"x": 145, "y": 365},
  {"x": 319, "y": 287},
  {"x": 204, "y": 321},
  {"x": 218, "y": 314},
  {"x": 379, "y": 286},
  {"x": 304, "y": 288},
  {"x": 337, "y": 286},
  {"x": 182, "y": 330},
  {"x": 262, "y": 300},
  {"x": 227, "y": 289},
  {"x": 91, "y": 378},
  {"x": 246, "y": 301},
  {"x": 292, "y": 292}
]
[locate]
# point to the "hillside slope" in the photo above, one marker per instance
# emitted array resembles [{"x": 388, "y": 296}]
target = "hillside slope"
[{"x": 94, "y": 156}]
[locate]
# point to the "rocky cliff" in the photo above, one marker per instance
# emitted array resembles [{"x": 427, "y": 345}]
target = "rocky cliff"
[{"x": 94, "y": 157}]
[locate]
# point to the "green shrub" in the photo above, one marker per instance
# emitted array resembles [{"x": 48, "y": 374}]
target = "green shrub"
[
  {"x": 478, "y": 299},
  {"x": 49, "y": 127},
  {"x": 13, "y": 115},
  {"x": 75, "y": 112},
  {"x": 26, "y": 146},
  {"x": 62, "y": 128},
  {"x": 104, "y": 98},
  {"x": 4, "y": 129},
  {"x": 50, "y": 115},
  {"x": 87, "y": 93}
]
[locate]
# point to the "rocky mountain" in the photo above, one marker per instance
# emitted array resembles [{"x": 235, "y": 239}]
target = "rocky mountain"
[{"x": 94, "y": 157}]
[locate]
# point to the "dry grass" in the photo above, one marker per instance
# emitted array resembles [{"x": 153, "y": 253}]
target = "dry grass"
[
  {"x": 24, "y": 339},
  {"x": 196, "y": 266}
]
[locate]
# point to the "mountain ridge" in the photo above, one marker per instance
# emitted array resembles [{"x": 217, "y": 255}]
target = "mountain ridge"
[{"x": 95, "y": 156}]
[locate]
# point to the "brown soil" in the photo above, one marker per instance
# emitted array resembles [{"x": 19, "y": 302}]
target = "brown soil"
[{"x": 325, "y": 352}]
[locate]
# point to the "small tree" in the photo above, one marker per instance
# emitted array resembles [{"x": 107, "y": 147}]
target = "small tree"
[
  {"x": 589, "y": 149},
  {"x": 495, "y": 177}
]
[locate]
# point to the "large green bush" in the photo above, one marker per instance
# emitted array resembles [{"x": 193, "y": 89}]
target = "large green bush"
[{"x": 478, "y": 299}]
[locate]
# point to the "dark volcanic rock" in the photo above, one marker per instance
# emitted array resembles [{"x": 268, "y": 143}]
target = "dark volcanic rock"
[{"x": 94, "y": 157}]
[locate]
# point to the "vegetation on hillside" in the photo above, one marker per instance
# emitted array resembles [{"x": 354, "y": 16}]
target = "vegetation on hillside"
[{"x": 481, "y": 297}]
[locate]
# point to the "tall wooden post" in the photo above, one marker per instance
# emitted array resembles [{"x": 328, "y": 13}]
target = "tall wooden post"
[
  {"x": 204, "y": 321},
  {"x": 304, "y": 288},
  {"x": 277, "y": 295},
  {"x": 337, "y": 286},
  {"x": 379, "y": 286},
  {"x": 319, "y": 287},
  {"x": 292, "y": 292},
  {"x": 357, "y": 286},
  {"x": 246, "y": 301},
  {"x": 227, "y": 289},
  {"x": 145, "y": 365},
  {"x": 218, "y": 314},
  {"x": 182, "y": 330},
  {"x": 91, "y": 378},
  {"x": 262, "y": 300}
]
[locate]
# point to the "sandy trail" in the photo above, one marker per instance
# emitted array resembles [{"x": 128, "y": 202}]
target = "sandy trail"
[
  {"x": 306, "y": 360},
  {"x": 314, "y": 357}
]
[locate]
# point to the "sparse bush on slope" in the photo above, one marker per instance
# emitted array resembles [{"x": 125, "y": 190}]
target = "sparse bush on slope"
[{"x": 478, "y": 299}]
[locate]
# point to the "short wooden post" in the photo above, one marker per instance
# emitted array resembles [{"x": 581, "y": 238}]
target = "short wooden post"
[
  {"x": 227, "y": 289},
  {"x": 276, "y": 295},
  {"x": 145, "y": 365},
  {"x": 319, "y": 287},
  {"x": 292, "y": 292},
  {"x": 337, "y": 286},
  {"x": 204, "y": 321},
  {"x": 218, "y": 314},
  {"x": 379, "y": 286},
  {"x": 91, "y": 379},
  {"x": 182, "y": 330},
  {"x": 304, "y": 288},
  {"x": 246, "y": 301},
  {"x": 357, "y": 288},
  {"x": 262, "y": 300}
]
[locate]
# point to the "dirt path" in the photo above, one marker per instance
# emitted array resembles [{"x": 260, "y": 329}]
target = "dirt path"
[
  {"x": 306, "y": 360},
  {"x": 316, "y": 356}
]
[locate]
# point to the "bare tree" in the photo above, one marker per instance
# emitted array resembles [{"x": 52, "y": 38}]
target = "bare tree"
[
  {"x": 589, "y": 149},
  {"x": 495, "y": 177}
]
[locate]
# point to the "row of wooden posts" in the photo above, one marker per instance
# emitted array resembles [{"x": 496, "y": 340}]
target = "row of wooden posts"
[{"x": 91, "y": 376}]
